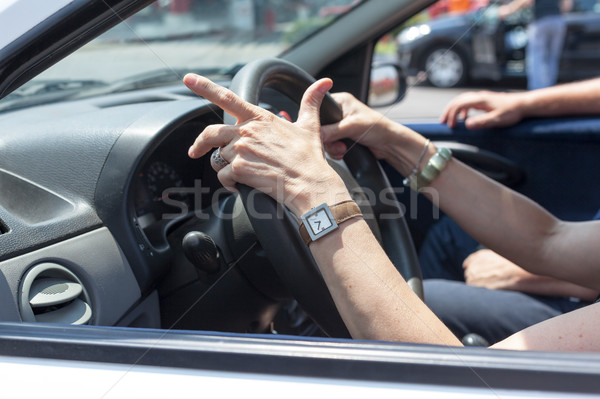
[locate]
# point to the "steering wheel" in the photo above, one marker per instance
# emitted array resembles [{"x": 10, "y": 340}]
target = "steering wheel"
[{"x": 278, "y": 231}]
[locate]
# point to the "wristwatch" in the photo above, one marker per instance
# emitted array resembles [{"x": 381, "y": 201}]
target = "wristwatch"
[{"x": 323, "y": 219}]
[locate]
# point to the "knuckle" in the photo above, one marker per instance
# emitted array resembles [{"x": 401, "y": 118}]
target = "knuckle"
[
  {"x": 210, "y": 131},
  {"x": 245, "y": 130},
  {"x": 344, "y": 96},
  {"x": 240, "y": 147},
  {"x": 270, "y": 117},
  {"x": 238, "y": 166}
]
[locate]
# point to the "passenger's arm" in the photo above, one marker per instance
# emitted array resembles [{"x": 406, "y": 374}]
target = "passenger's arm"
[{"x": 507, "y": 109}]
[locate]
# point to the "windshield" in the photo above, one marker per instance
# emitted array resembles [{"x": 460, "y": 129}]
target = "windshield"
[{"x": 159, "y": 44}]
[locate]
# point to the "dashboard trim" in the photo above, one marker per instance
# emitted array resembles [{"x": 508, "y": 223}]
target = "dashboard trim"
[{"x": 112, "y": 196}]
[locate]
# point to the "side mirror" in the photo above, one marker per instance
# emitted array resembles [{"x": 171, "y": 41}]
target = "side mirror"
[{"x": 388, "y": 85}]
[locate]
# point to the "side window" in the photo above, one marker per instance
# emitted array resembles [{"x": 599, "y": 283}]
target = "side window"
[
  {"x": 434, "y": 45},
  {"x": 388, "y": 79}
]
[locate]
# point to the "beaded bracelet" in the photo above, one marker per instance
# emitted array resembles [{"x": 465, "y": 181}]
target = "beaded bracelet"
[
  {"x": 436, "y": 164},
  {"x": 415, "y": 170}
]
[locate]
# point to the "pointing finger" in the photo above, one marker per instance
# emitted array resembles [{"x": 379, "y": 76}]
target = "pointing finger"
[{"x": 222, "y": 97}]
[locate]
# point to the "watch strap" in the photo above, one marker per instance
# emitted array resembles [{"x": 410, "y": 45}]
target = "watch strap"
[{"x": 342, "y": 211}]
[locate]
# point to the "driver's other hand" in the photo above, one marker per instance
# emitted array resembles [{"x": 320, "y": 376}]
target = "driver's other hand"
[
  {"x": 283, "y": 159},
  {"x": 486, "y": 268},
  {"x": 359, "y": 123},
  {"x": 500, "y": 110}
]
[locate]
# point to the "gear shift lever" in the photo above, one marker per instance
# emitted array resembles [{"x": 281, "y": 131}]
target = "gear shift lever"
[{"x": 200, "y": 249}]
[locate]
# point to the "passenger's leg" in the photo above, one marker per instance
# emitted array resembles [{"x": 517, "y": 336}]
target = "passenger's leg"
[
  {"x": 444, "y": 250},
  {"x": 493, "y": 314}
]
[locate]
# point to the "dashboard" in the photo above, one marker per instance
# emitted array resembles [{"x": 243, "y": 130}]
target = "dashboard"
[
  {"x": 92, "y": 197},
  {"x": 169, "y": 185},
  {"x": 105, "y": 206}
]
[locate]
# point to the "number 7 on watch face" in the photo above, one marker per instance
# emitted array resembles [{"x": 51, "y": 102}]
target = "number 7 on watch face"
[{"x": 319, "y": 222}]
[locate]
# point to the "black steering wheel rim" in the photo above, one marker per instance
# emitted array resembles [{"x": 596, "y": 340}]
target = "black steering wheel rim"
[{"x": 277, "y": 229}]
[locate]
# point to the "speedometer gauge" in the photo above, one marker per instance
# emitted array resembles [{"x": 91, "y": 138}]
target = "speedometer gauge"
[
  {"x": 159, "y": 193},
  {"x": 161, "y": 178}
]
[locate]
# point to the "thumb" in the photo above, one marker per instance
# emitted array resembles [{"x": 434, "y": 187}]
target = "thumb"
[{"x": 308, "y": 115}]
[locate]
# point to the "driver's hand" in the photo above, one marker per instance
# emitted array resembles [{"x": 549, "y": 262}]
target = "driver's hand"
[
  {"x": 485, "y": 268},
  {"x": 360, "y": 123},
  {"x": 285, "y": 160},
  {"x": 501, "y": 109}
]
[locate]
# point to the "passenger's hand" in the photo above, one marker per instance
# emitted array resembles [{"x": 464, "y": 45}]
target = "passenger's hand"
[
  {"x": 485, "y": 268},
  {"x": 501, "y": 109},
  {"x": 361, "y": 124},
  {"x": 263, "y": 151}
]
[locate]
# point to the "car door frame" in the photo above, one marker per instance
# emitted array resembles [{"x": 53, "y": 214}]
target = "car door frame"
[{"x": 335, "y": 363}]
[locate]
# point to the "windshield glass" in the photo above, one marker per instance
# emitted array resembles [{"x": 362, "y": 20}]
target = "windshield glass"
[
  {"x": 19, "y": 16},
  {"x": 161, "y": 43}
]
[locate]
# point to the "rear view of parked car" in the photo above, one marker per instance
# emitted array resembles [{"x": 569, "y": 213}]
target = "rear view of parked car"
[{"x": 454, "y": 49}]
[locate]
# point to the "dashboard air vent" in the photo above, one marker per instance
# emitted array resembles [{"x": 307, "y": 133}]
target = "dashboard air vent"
[{"x": 50, "y": 293}]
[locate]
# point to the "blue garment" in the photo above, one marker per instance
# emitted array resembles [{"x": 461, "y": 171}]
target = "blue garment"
[
  {"x": 493, "y": 314},
  {"x": 545, "y": 39},
  {"x": 545, "y": 8}
]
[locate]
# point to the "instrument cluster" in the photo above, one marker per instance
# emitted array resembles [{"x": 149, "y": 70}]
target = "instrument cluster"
[{"x": 170, "y": 185}]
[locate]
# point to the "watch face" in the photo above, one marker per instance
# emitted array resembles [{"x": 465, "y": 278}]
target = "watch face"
[{"x": 319, "y": 221}]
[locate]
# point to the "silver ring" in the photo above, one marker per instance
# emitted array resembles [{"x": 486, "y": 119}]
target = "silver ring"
[{"x": 218, "y": 161}]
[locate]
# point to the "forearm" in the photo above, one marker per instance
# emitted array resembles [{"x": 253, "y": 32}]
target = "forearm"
[
  {"x": 542, "y": 285},
  {"x": 518, "y": 228},
  {"x": 578, "y": 98},
  {"x": 371, "y": 296},
  {"x": 573, "y": 331},
  {"x": 507, "y": 222},
  {"x": 497, "y": 217}
]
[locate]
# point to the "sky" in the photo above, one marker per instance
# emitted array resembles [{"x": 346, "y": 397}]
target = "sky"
[{"x": 19, "y": 16}]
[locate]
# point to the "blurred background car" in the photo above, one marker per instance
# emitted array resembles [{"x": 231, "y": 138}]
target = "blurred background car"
[{"x": 457, "y": 47}]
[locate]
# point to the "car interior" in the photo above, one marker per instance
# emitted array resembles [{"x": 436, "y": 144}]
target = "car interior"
[
  {"x": 105, "y": 221},
  {"x": 102, "y": 167}
]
